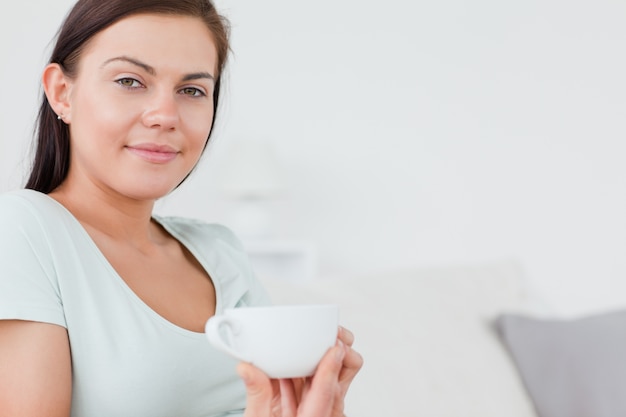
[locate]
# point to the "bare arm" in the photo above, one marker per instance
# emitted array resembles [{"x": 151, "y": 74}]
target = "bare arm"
[{"x": 35, "y": 370}]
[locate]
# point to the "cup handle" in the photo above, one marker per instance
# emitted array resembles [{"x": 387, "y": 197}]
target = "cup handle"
[{"x": 231, "y": 327}]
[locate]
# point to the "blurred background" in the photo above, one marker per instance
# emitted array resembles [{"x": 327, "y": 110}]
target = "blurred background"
[{"x": 360, "y": 137}]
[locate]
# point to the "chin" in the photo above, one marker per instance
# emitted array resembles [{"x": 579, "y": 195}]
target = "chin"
[
  {"x": 151, "y": 187},
  {"x": 149, "y": 192}
]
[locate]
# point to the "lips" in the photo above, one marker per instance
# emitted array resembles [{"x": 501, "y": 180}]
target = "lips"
[{"x": 157, "y": 154}]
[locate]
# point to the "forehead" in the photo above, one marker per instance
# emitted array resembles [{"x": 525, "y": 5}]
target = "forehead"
[{"x": 184, "y": 42}]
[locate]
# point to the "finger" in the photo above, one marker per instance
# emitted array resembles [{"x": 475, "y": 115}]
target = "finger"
[
  {"x": 259, "y": 390},
  {"x": 288, "y": 398},
  {"x": 353, "y": 361},
  {"x": 352, "y": 364},
  {"x": 324, "y": 392},
  {"x": 331, "y": 364},
  {"x": 345, "y": 335},
  {"x": 305, "y": 387},
  {"x": 300, "y": 387}
]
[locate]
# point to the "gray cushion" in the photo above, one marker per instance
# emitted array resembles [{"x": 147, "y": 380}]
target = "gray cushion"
[{"x": 571, "y": 368}]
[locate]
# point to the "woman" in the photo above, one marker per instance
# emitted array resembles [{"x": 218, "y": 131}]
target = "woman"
[{"x": 102, "y": 304}]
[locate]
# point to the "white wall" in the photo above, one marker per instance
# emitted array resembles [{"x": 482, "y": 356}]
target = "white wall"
[{"x": 414, "y": 133}]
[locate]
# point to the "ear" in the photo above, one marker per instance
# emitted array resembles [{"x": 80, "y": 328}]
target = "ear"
[{"x": 57, "y": 88}]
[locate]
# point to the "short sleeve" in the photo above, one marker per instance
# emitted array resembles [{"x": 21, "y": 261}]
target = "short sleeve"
[
  {"x": 28, "y": 286},
  {"x": 256, "y": 295},
  {"x": 222, "y": 254}
]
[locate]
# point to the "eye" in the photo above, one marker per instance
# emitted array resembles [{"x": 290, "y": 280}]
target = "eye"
[
  {"x": 193, "y": 92},
  {"x": 129, "y": 83}
]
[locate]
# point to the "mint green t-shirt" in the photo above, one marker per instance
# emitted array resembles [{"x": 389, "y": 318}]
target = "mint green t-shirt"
[{"x": 126, "y": 359}]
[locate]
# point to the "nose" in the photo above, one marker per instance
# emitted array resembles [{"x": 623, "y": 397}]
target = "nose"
[{"x": 161, "y": 112}]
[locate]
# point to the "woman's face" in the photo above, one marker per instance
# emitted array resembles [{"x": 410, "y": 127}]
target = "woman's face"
[{"x": 141, "y": 105}]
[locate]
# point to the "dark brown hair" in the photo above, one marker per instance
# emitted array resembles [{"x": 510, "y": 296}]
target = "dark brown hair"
[{"x": 86, "y": 19}]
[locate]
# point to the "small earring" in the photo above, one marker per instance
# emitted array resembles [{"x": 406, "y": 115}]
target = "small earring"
[{"x": 59, "y": 117}]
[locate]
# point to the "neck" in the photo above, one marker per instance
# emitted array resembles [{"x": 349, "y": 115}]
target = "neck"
[{"x": 116, "y": 216}]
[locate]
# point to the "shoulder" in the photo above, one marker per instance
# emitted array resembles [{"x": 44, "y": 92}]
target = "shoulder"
[
  {"x": 206, "y": 240},
  {"x": 19, "y": 198},
  {"x": 31, "y": 221},
  {"x": 197, "y": 230},
  {"x": 21, "y": 207},
  {"x": 223, "y": 255}
]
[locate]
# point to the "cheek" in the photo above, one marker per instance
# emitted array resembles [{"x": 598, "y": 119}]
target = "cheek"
[
  {"x": 98, "y": 113},
  {"x": 110, "y": 113},
  {"x": 197, "y": 143},
  {"x": 199, "y": 127}
]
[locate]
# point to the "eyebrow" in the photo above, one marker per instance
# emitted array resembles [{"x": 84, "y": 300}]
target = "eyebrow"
[
  {"x": 197, "y": 76},
  {"x": 150, "y": 70}
]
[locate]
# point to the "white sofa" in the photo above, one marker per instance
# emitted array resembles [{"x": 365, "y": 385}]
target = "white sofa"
[{"x": 427, "y": 338}]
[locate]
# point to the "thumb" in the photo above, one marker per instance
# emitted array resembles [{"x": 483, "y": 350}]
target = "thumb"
[{"x": 259, "y": 390}]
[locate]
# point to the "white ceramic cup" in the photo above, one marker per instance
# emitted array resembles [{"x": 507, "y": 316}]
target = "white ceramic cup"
[{"x": 286, "y": 341}]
